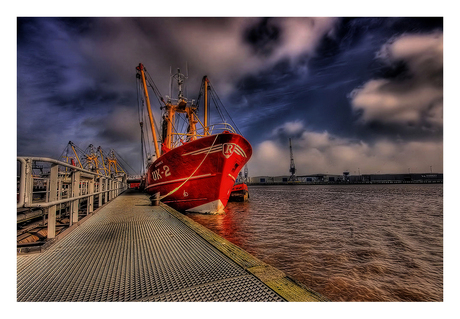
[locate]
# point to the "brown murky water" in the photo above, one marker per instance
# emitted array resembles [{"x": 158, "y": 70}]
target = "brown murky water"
[{"x": 347, "y": 242}]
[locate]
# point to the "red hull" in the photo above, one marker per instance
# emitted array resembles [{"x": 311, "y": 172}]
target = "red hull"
[{"x": 198, "y": 176}]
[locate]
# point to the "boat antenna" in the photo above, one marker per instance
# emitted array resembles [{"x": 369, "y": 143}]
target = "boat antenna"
[
  {"x": 186, "y": 76},
  {"x": 170, "y": 82}
]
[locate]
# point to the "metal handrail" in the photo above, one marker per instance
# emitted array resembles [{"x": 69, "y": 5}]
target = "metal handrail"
[
  {"x": 210, "y": 128},
  {"x": 79, "y": 189},
  {"x": 24, "y": 160},
  {"x": 206, "y": 131}
]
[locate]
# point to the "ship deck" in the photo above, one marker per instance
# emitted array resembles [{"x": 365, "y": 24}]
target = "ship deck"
[{"x": 131, "y": 251}]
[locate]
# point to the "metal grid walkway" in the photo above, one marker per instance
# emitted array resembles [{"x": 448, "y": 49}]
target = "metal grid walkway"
[{"x": 131, "y": 251}]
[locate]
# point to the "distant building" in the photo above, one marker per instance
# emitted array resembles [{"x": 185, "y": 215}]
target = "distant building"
[
  {"x": 269, "y": 179},
  {"x": 398, "y": 178},
  {"x": 350, "y": 179},
  {"x": 320, "y": 178}
]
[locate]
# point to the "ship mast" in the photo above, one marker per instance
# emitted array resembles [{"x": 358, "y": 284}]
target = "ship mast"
[
  {"x": 206, "y": 83},
  {"x": 181, "y": 107},
  {"x": 152, "y": 125},
  {"x": 173, "y": 106}
]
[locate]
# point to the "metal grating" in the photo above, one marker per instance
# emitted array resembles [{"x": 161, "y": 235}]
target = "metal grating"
[
  {"x": 132, "y": 251},
  {"x": 244, "y": 288}
]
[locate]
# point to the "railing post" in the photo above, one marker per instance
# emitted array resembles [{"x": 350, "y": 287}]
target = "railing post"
[
  {"x": 99, "y": 189},
  {"x": 60, "y": 189},
  {"x": 111, "y": 190},
  {"x": 29, "y": 182},
  {"x": 91, "y": 198},
  {"x": 75, "y": 192},
  {"x": 53, "y": 195},
  {"x": 107, "y": 193},
  {"x": 106, "y": 188},
  {"x": 22, "y": 183}
]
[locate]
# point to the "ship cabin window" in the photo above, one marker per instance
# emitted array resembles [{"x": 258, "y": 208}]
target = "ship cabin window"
[
  {"x": 262, "y": 180},
  {"x": 285, "y": 179}
]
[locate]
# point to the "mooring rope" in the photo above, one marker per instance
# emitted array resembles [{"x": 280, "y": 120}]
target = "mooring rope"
[{"x": 177, "y": 188}]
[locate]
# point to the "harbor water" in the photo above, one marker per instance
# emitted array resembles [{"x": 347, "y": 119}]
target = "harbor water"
[{"x": 347, "y": 242}]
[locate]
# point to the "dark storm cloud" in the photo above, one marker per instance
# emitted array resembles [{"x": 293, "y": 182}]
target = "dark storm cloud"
[
  {"x": 263, "y": 37},
  {"x": 58, "y": 87},
  {"x": 344, "y": 60}
]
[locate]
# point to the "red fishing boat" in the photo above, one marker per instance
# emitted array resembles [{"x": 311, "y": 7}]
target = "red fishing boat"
[{"x": 194, "y": 170}]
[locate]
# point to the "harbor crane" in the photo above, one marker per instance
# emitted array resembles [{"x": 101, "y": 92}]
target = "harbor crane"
[{"x": 292, "y": 167}]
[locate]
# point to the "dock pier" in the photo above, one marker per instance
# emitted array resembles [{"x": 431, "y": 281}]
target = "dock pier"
[{"x": 129, "y": 250}]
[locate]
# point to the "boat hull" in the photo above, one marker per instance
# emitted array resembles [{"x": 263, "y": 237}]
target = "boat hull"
[{"x": 198, "y": 176}]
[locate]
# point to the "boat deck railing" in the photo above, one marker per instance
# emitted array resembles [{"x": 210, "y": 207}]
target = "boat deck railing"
[
  {"x": 207, "y": 130},
  {"x": 59, "y": 184}
]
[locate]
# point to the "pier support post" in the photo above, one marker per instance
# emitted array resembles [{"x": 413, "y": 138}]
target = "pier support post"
[
  {"x": 75, "y": 192},
  {"x": 156, "y": 199}
]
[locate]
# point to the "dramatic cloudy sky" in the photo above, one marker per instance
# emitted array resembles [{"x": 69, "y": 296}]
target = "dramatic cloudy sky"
[{"x": 357, "y": 94}]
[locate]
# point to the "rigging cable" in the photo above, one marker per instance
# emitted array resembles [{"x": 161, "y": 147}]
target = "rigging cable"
[
  {"x": 159, "y": 97},
  {"x": 125, "y": 162},
  {"x": 148, "y": 145},
  {"x": 222, "y": 104}
]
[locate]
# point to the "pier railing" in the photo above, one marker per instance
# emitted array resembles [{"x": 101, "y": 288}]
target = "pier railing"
[{"x": 49, "y": 184}]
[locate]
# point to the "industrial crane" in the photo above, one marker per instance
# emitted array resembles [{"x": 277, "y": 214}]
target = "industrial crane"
[
  {"x": 292, "y": 168},
  {"x": 95, "y": 160}
]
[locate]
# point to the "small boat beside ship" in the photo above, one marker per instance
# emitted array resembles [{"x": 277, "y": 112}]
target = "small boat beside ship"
[
  {"x": 192, "y": 170},
  {"x": 239, "y": 193}
]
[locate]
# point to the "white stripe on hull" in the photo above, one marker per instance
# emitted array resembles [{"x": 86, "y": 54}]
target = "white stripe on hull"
[
  {"x": 214, "y": 149},
  {"x": 180, "y": 180},
  {"x": 217, "y": 148}
]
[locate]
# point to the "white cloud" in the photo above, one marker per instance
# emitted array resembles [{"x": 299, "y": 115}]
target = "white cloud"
[
  {"x": 289, "y": 128},
  {"x": 414, "y": 99},
  {"x": 302, "y": 35}
]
